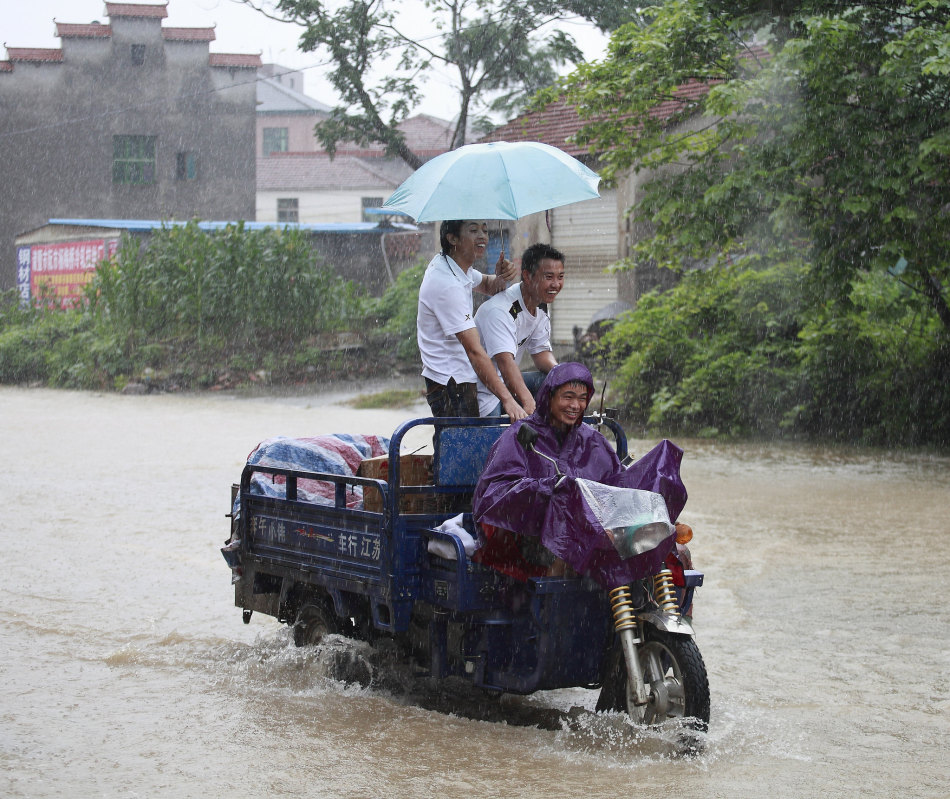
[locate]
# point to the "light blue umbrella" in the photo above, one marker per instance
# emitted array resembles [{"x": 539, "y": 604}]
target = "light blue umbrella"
[{"x": 494, "y": 180}]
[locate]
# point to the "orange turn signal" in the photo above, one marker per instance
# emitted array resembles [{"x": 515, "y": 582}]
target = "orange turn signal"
[{"x": 684, "y": 533}]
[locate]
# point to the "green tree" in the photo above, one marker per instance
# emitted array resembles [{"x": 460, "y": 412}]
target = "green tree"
[
  {"x": 827, "y": 143},
  {"x": 380, "y": 60}
]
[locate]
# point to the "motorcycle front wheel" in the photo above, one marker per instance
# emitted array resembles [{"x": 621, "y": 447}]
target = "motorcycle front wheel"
[{"x": 674, "y": 675}]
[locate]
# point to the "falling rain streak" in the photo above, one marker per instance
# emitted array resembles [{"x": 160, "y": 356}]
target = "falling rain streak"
[{"x": 127, "y": 670}]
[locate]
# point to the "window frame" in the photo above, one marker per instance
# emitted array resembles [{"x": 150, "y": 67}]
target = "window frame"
[
  {"x": 283, "y": 143},
  {"x": 186, "y": 165},
  {"x": 291, "y": 208},
  {"x": 133, "y": 159}
]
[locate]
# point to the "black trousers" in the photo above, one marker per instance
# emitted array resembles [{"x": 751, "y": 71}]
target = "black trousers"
[{"x": 453, "y": 399}]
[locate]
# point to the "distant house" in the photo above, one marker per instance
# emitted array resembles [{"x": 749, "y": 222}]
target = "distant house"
[
  {"x": 312, "y": 187},
  {"x": 128, "y": 119},
  {"x": 298, "y": 182},
  {"x": 285, "y": 115},
  {"x": 589, "y": 233}
]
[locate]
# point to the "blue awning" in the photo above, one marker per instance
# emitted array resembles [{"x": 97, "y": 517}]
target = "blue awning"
[{"x": 148, "y": 225}]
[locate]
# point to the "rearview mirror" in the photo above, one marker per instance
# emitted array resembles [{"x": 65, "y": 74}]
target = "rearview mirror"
[{"x": 527, "y": 435}]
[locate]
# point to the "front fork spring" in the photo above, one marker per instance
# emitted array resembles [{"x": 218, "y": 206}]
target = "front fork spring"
[
  {"x": 627, "y": 626},
  {"x": 665, "y": 592},
  {"x": 622, "y": 607}
]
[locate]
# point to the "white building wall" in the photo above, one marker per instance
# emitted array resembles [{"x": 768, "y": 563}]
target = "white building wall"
[
  {"x": 318, "y": 206},
  {"x": 588, "y": 235}
]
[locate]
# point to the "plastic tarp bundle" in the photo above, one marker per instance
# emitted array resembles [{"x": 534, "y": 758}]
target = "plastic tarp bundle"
[{"x": 339, "y": 453}]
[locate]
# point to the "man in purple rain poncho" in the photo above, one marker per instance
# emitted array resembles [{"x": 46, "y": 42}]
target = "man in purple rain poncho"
[{"x": 520, "y": 500}]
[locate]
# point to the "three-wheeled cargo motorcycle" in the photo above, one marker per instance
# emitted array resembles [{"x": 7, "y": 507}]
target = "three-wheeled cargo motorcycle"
[{"x": 372, "y": 558}]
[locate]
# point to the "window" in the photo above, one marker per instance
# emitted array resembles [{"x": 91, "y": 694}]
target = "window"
[
  {"x": 138, "y": 54},
  {"x": 133, "y": 159},
  {"x": 370, "y": 202},
  {"x": 275, "y": 140},
  {"x": 186, "y": 166},
  {"x": 288, "y": 209}
]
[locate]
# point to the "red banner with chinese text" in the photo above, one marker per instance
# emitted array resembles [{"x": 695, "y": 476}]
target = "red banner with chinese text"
[{"x": 59, "y": 272}]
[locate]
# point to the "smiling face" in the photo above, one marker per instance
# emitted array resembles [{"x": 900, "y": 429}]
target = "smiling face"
[
  {"x": 469, "y": 245},
  {"x": 568, "y": 404},
  {"x": 544, "y": 284}
]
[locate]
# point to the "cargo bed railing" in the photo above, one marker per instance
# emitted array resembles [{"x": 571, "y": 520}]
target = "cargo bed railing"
[{"x": 460, "y": 448}]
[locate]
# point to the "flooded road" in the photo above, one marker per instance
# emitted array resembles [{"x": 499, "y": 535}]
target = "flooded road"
[{"x": 127, "y": 672}]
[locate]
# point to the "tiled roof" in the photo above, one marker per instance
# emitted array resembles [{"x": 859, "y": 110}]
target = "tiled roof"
[
  {"x": 425, "y": 133},
  {"x": 6, "y": 66},
  {"x": 238, "y": 60},
  {"x": 275, "y": 98},
  {"x": 553, "y": 126},
  {"x": 92, "y": 30},
  {"x": 35, "y": 54},
  {"x": 188, "y": 34},
  {"x": 559, "y": 121},
  {"x": 133, "y": 10},
  {"x": 312, "y": 171}
]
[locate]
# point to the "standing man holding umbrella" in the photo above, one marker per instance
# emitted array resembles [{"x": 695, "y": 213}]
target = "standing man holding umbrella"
[{"x": 453, "y": 358}]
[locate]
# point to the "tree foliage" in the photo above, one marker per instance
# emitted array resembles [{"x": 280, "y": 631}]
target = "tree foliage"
[
  {"x": 380, "y": 60},
  {"x": 732, "y": 351},
  {"x": 826, "y": 143},
  {"x": 395, "y": 314}
]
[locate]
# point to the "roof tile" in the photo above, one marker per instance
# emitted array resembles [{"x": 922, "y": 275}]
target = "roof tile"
[
  {"x": 35, "y": 54},
  {"x": 234, "y": 60},
  {"x": 559, "y": 121},
  {"x": 135, "y": 10},
  {"x": 92, "y": 30},
  {"x": 188, "y": 34}
]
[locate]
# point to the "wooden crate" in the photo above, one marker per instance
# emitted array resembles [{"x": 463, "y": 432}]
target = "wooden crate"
[{"x": 414, "y": 470}]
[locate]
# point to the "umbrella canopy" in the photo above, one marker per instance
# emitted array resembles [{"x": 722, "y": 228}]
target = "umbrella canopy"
[{"x": 494, "y": 180}]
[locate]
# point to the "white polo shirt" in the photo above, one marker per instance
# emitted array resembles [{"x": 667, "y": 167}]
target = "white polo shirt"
[
  {"x": 445, "y": 309},
  {"x": 505, "y": 325}
]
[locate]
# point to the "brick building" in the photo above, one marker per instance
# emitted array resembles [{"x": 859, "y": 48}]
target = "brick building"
[{"x": 127, "y": 119}]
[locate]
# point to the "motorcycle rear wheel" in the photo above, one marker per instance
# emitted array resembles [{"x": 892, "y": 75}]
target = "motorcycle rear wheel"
[
  {"x": 314, "y": 622},
  {"x": 674, "y": 675}
]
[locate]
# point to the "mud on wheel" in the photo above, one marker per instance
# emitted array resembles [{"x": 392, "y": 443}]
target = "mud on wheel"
[{"x": 674, "y": 675}]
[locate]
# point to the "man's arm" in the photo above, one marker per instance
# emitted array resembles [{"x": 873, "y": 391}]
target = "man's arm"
[
  {"x": 511, "y": 374},
  {"x": 544, "y": 360},
  {"x": 493, "y": 284},
  {"x": 485, "y": 370}
]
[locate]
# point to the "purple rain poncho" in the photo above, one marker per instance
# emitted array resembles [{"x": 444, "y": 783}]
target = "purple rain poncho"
[{"x": 516, "y": 491}]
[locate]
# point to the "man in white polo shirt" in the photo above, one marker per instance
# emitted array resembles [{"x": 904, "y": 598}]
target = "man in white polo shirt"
[
  {"x": 516, "y": 322},
  {"x": 452, "y": 354}
]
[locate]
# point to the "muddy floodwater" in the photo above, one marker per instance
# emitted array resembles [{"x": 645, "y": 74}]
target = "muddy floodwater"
[{"x": 126, "y": 670}]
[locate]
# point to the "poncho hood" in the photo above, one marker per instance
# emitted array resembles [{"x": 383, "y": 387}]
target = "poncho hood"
[{"x": 557, "y": 377}]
